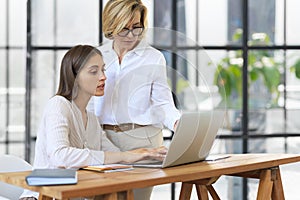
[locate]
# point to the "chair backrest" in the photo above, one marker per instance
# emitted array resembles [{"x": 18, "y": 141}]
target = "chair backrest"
[{"x": 10, "y": 163}]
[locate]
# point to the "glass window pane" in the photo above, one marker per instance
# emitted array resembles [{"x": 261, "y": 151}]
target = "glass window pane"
[
  {"x": 293, "y": 144},
  {"x": 3, "y": 105},
  {"x": 16, "y": 92},
  {"x": 233, "y": 146},
  {"x": 279, "y": 23},
  {"x": 45, "y": 79},
  {"x": 2, "y": 147},
  {"x": 17, "y": 149},
  {"x": 72, "y": 27},
  {"x": 194, "y": 75},
  {"x": 3, "y": 120},
  {"x": 275, "y": 145},
  {"x": 52, "y": 25},
  {"x": 292, "y": 80},
  {"x": 16, "y": 126},
  {"x": 3, "y": 23},
  {"x": 181, "y": 27},
  {"x": 185, "y": 73},
  {"x": 3, "y": 68},
  {"x": 189, "y": 21},
  {"x": 235, "y": 21},
  {"x": 3, "y": 94},
  {"x": 275, "y": 121},
  {"x": 42, "y": 23},
  {"x": 257, "y": 121},
  {"x": 17, "y": 22},
  {"x": 213, "y": 15},
  {"x": 265, "y": 69},
  {"x": 227, "y": 76},
  {"x": 17, "y": 69},
  {"x": 259, "y": 145},
  {"x": 262, "y": 18},
  {"x": 292, "y": 124},
  {"x": 162, "y": 22},
  {"x": 292, "y": 25}
]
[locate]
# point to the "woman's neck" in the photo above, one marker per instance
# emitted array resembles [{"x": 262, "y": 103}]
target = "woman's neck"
[
  {"x": 120, "y": 52},
  {"x": 81, "y": 103}
]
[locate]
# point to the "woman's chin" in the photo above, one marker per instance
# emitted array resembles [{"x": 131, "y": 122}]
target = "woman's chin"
[{"x": 99, "y": 93}]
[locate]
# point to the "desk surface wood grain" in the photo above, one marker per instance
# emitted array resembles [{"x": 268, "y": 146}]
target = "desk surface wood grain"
[{"x": 93, "y": 183}]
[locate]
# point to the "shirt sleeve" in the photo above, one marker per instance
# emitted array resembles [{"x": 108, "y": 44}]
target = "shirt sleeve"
[
  {"x": 162, "y": 99},
  {"x": 107, "y": 145},
  {"x": 63, "y": 145}
]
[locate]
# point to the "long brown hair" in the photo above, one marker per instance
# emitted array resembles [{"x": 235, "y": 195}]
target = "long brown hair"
[{"x": 71, "y": 64}]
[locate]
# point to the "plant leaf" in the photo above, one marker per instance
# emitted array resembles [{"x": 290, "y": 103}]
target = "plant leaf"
[
  {"x": 297, "y": 68},
  {"x": 271, "y": 77}
]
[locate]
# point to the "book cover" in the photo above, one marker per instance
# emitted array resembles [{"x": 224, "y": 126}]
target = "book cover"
[
  {"x": 40, "y": 177},
  {"x": 108, "y": 168}
]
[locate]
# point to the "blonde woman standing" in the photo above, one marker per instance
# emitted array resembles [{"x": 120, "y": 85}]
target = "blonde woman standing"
[{"x": 138, "y": 102}]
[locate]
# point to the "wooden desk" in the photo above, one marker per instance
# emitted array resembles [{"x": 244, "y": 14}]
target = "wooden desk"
[{"x": 202, "y": 174}]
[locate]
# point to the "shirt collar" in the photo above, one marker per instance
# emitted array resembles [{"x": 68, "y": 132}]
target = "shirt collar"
[{"x": 139, "y": 49}]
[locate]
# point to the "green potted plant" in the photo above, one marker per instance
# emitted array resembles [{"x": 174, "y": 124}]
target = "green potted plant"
[
  {"x": 262, "y": 67},
  {"x": 263, "y": 80}
]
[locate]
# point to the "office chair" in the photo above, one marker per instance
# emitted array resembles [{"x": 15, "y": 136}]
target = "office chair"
[{"x": 10, "y": 163}]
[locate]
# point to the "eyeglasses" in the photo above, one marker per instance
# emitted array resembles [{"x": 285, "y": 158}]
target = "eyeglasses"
[{"x": 137, "y": 31}]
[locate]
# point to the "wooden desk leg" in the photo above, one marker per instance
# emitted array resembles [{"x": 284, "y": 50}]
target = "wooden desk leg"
[
  {"x": 202, "y": 192},
  {"x": 111, "y": 196},
  {"x": 265, "y": 185},
  {"x": 213, "y": 192},
  {"x": 125, "y": 195},
  {"x": 129, "y": 195},
  {"x": 186, "y": 190},
  {"x": 203, "y": 186},
  {"x": 277, "y": 192}
]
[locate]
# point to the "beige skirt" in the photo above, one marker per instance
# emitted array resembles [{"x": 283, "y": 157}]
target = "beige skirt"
[{"x": 144, "y": 137}]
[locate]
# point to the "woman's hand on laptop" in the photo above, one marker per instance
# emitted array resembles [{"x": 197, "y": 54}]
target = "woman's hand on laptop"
[
  {"x": 135, "y": 155},
  {"x": 161, "y": 150}
]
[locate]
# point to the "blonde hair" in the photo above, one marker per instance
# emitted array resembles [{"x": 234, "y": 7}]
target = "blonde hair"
[{"x": 117, "y": 14}]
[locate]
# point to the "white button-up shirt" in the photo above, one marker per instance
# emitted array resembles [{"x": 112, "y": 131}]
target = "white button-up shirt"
[
  {"x": 136, "y": 91},
  {"x": 64, "y": 142}
]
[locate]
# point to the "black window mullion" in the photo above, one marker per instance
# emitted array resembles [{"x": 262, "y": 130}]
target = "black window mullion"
[
  {"x": 284, "y": 76},
  {"x": 245, "y": 90},
  {"x": 7, "y": 52},
  {"x": 28, "y": 84}
]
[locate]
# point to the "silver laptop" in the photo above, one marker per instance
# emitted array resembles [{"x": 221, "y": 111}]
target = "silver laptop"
[{"x": 192, "y": 140}]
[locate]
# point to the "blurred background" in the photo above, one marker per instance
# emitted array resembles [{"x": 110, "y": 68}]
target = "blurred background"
[{"x": 238, "y": 55}]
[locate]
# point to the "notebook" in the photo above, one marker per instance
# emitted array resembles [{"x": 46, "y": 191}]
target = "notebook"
[
  {"x": 108, "y": 168},
  {"x": 192, "y": 140},
  {"x": 40, "y": 177}
]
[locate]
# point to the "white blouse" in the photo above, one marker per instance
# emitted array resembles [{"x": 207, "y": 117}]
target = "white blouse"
[
  {"x": 64, "y": 142},
  {"x": 136, "y": 91}
]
